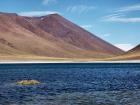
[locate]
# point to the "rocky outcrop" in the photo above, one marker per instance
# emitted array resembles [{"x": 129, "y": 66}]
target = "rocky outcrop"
[{"x": 28, "y": 82}]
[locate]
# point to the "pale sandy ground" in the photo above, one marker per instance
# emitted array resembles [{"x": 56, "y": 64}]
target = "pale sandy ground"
[
  {"x": 42, "y": 59},
  {"x": 53, "y": 61}
]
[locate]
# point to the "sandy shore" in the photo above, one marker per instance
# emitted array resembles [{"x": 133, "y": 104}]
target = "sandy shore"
[{"x": 53, "y": 61}]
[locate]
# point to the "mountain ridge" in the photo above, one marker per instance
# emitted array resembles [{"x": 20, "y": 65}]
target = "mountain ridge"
[
  {"x": 133, "y": 54},
  {"x": 50, "y": 36}
]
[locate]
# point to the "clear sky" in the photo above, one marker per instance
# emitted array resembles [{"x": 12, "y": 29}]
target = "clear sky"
[{"x": 116, "y": 21}]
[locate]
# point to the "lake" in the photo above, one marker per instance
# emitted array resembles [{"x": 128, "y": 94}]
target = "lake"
[{"x": 71, "y": 84}]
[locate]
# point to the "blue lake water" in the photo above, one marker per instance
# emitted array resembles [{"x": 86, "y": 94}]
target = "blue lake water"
[{"x": 71, "y": 84}]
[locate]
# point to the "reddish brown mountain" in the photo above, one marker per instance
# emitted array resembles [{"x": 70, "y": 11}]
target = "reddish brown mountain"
[{"x": 49, "y": 36}]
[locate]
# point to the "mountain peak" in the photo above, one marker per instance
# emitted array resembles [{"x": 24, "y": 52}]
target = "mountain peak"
[
  {"x": 3, "y": 13},
  {"x": 54, "y": 15}
]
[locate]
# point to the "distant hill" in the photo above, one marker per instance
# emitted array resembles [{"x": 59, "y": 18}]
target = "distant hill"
[
  {"x": 135, "y": 49},
  {"x": 133, "y": 54},
  {"x": 50, "y": 36}
]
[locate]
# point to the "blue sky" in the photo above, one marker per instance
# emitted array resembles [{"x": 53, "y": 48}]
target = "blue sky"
[{"x": 116, "y": 21}]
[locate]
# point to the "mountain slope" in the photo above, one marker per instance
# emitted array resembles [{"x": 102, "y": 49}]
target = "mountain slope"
[
  {"x": 75, "y": 35},
  {"x": 135, "y": 50},
  {"x": 49, "y": 36},
  {"x": 133, "y": 54}
]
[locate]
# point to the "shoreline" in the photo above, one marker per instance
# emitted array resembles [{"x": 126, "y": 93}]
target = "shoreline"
[{"x": 47, "y": 62}]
